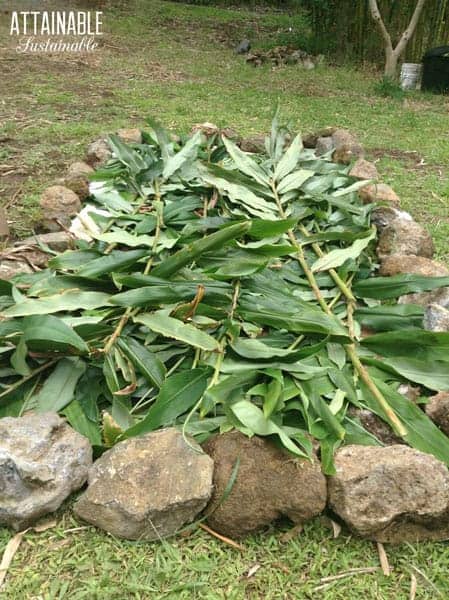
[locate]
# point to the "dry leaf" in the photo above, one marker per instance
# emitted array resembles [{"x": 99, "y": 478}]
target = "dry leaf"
[
  {"x": 383, "y": 558},
  {"x": 10, "y": 550}
]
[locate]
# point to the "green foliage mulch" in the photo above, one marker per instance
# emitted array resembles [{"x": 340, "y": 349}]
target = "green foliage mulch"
[{"x": 222, "y": 290}]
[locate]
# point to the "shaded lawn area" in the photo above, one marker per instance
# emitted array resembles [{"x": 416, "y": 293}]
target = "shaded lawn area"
[{"x": 176, "y": 63}]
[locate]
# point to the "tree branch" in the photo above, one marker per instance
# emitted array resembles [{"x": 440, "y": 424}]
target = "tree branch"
[
  {"x": 375, "y": 13},
  {"x": 408, "y": 33}
]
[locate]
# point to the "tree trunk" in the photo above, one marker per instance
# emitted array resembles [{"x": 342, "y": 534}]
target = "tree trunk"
[
  {"x": 391, "y": 63},
  {"x": 392, "y": 54}
]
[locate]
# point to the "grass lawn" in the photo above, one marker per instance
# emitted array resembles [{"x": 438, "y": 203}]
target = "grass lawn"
[{"x": 175, "y": 63}]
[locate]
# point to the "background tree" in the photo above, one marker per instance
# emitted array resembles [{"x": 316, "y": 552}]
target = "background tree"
[{"x": 392, "y": 54}]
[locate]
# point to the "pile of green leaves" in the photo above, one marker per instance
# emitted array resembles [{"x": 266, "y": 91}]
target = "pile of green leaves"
[{"x": 222, "y": 290}]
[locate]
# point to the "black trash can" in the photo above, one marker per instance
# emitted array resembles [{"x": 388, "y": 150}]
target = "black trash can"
[{"x": 435, "y": 75}]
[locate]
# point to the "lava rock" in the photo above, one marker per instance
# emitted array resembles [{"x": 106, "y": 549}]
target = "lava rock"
[
  {"x": 417, "y": 265},
  {"x": 347, "y": 148},
  {"x": 147, "y": 487},
  {"x": 207, "y": 129},
  {"x": 98, "y": 153},
  {"x": 403, "y": 236},
  {"x": 130, "y": 136},
  {"x": 254, "y": 144},
  {"x": 379, "y": 192},
  {"x": 243, "y": 47},
  {"x": 437, "y": 409},
  {"x": 58, "y": 204},
  {"x": 42, "y": 461},
  {"x": 269, "y": 483},
  {"x": 324, "y": 145},
  {"x": 382, "y": 216},
  {"x": 397, "y": 264},
  {"x": 309, "y": 140},
  {"x": 77, "y": 179},
  {"x": 436, "y": 318},
  {"x": 363, "y": 169},
  {"x": 392, "y": 494}
]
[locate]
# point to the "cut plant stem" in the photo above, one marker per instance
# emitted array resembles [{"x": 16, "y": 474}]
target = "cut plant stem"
[{"x": 396, "y": 424}]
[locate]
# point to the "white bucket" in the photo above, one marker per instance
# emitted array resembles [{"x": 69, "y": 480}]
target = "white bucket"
[{"x": 411, "y": 76}]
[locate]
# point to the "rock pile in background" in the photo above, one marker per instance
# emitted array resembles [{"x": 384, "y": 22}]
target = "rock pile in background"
[{"x": 283, "y": 55}]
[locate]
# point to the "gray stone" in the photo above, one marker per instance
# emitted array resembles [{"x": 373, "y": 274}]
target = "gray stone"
[
  {"x": 307, "y": 64},
  {"x": 270, "y": 483},
  {"x": 11, "y": 268},
  {"x": 436, "y": 318},
  {"x": 147, "y": 487},
  {"x": 392, "y": 494},
  {"x": 347, "y": 148},
  {"x": 98, "y": 153},
  {"x": 59, "y": 241},
  {"x": 363, "y": 169},
  {"x": 439, "y": 296},
  {"x": 437, "y": 409},
  {"x": 324, "y": 145},
  {"x": 403, "y": 236},
  {"x": 379, "y": 192},
  {"x": 42, "y": 461},
  {"x": 243, "y": 47},
  {"x": 58, "y": 204},
  {"x": 382, "y": 216}
]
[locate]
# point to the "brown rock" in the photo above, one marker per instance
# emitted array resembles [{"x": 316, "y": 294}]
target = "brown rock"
[
  {"x": 438, "y": 297},
  {"x": 98, "y": 153},
  {"x": 392, "y": 494},
  {"x": 347, "y": 148},
  {"x": 438, "y": 410},
  {"x": 309, "y": 140},
  {"x": 269, "y": 483},
  {"x": 379, "y": 192},
  {"x": 147, "y": 487},
  {"x": 77, "y": 179},
  {"x": 254, "y": 144},
  {"x": 130, "y": 136},
  {"x": 231, "y": 134},
  {"x": 208, "y": 129},
  {"x": 416, "y": 265},
  {"x": 402, "y": 236},
  {"x": 58, "y": 203},
  {"x": 363, "y": 169}
]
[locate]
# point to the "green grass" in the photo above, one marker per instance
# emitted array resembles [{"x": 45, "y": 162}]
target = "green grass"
[
  {"x": 74, "y": 561},
  {"x": 176, "y": 63}
]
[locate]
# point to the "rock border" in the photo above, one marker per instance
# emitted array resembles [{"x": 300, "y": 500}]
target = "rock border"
[{"x": 389, "y": 494}]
